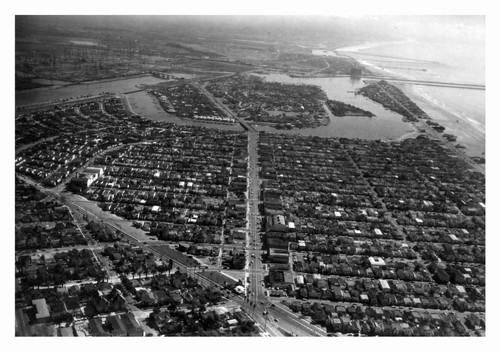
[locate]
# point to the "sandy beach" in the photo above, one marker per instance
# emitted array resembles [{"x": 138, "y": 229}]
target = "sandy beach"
[
  {"x": 469, "y": 134},
  {"x": 369, "y": 45}
]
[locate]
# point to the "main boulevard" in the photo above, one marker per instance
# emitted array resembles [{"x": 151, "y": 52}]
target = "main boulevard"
[{"x": 273, "y": 318}]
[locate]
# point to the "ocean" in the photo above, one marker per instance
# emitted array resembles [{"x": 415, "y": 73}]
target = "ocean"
[{"x": 461, "y": 111}]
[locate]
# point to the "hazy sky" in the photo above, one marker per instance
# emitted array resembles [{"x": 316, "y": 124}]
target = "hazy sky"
[
  {"x": 465, "y": 28},
  {"x": 306, "y": 29}
]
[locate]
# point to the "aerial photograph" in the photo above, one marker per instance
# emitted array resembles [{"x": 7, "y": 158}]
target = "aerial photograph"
[{"x": 241, "y": 175}]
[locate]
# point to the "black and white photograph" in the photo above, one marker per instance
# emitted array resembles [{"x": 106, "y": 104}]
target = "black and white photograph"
[{"x": 182, "y": 174}]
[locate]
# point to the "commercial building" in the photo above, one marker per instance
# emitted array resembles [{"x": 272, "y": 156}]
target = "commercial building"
[
  {"x": 42, "y": 310},
  {"x": 87, "y": 177},
  {"x": 278, "y": 255},
  {"x": 276, "y": 223}
]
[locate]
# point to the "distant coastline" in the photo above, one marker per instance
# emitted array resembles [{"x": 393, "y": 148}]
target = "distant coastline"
[
  {"x": 370, "y": 45},
  {"x": 470, "y": 132}
]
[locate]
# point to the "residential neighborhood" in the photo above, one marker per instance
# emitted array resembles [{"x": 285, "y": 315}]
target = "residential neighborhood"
[{"x": 197, "y": 177}]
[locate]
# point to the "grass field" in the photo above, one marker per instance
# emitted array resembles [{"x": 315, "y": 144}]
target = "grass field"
[
  {"x": 219, "y": 278},
  {"x": 176, "y": 256}
]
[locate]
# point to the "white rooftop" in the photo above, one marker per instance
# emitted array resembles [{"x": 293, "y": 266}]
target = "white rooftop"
[{"x": 376, "y": 261}]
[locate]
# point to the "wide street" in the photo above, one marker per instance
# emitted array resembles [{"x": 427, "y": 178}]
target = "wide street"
[{"x": 275, "y": 319}]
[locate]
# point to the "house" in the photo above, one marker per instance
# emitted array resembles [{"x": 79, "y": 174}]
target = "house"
[
  {"x": 376, "y": 261},
  {"x": 242, "y": 318},
  {"x": 117, "y": 326},
  {"x": 95, "y": 326},
  {"x": 43, "y": 330},
  {"x": 58, "y": 310},
  {"x": 160, "y": 319},
  {"x": 131, "y": 324},
  {"x": 160, "y": 296},
  {"x": 66, "y": 332},
  {"x": 175, "y": 297},
  {"x": 334, "y": 325},
  {"x": 346, "y": 324},
  {"x": 147, "y": 297},
  {"x": 296, "y": 305},
  {"x": 416, "y": 302},
  {"x": 375, "y": 327},
  {"x": 105, "y": 287},
  {"x": 378, "y": 312},
  {"x": 384, "y": 285},
  {"x": 319, "y": 316},
  {"x": 72, "y": 305},
  {"x": 100, "y": 303},
  {"x": 441, "y": 276}
]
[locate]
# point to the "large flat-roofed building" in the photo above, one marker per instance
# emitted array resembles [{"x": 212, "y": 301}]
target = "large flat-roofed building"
[
  {"x": 281, "y": 279},
  {"x": 276, "y": 223},
  {"x": 42, "y": 309},
  {"x": 278, "y": 255},
  {"x": 276, "y": 243},
  {"x": 94, "y": 170},
  {"x": 87, "y": 177}
]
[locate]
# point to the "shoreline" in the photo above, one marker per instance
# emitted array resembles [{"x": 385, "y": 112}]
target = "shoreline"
[
  {"x": 69, "y": 84},
  {"x": 370, "y": 45},
  {"x": 163, "y": 116},
  {"x": 468, "y": 134}
]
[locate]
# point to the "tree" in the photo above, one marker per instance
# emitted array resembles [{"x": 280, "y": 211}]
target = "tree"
[{"x": 170, "y": 265}]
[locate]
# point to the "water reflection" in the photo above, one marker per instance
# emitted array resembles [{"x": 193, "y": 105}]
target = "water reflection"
[
  {"x": 93, "y": 88},
  {"x": 385, "y": 124},
  {"x": 355, "y": 80}
]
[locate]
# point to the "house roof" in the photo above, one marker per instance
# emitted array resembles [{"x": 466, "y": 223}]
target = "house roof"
[{"x": 42, "y": 310}]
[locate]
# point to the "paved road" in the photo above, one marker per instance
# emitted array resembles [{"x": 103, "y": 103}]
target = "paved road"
[
  {"x": 460, "y": 315},
  {"x": 292, "y": 323},
  {"x": 257, "y": 302},
  {"x": 223, "y": 107}
]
